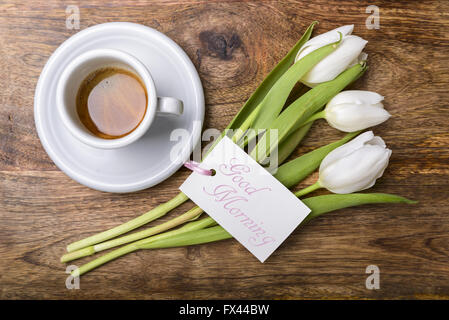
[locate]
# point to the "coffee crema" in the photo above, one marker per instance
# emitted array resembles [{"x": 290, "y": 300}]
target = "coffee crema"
[{"x": 111, "y": 102}]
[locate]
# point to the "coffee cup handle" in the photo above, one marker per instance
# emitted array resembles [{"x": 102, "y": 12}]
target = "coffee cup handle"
[{"x": 169, "y": 106}]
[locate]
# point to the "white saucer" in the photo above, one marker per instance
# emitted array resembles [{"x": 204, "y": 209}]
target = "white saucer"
[{"x": 147, "y": 161}]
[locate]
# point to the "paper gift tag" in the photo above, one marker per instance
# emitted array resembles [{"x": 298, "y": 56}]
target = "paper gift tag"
[{"x": 245, "y": 199}]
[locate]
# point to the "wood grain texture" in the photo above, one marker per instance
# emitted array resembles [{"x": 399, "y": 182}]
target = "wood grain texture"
[{"x": 234, "y": 45}]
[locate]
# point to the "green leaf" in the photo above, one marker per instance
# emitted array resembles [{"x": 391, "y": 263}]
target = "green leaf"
[
  {"x": 261, "y": 91},
  {"x": 297, "y": 113},
  {"x": 294, "y": 171},
  {"x": 332, "y": 202},
  {"x": 291, "y": 142},
  {"x": 275, "y": 99},
  {"x": 319, "y": 205}
]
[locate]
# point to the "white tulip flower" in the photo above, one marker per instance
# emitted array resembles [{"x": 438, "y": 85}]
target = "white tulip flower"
[
  {"x": 355, "y": 165},
  {"x": 347, "y": 54},
  {"x": 354, "y": 110}
]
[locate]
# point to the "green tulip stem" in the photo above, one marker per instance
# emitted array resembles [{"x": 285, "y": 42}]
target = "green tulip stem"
[
  {"x": 192, "y": 226},
  {"x": 151, "y": 215},
  {"x": 205, "y": 230},
  {"x": 309, "y": 189},
  {"x": 87, "y": 251},
  {"x": 103, "y": 259},
  {"x": 316, "y": 116}
]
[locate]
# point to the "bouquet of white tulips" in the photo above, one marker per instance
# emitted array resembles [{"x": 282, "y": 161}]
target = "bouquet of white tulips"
[{"x": 327, "y": 64}]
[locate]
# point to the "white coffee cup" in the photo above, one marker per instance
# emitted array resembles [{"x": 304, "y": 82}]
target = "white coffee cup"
[{"x": 86, "y": 63}]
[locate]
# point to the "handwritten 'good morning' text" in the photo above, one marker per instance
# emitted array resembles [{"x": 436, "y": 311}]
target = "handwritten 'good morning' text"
[{"x": 236, "y": 192}]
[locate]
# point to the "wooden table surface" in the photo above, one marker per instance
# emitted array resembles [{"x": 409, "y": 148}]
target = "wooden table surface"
[{"x": 233, "y": 46}]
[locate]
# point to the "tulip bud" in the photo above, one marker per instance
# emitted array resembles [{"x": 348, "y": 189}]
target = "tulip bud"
[
  {"x": 355, "y": 165},
  {"x": 348, "y": 53},
  {"x": 354, "y": 110}
]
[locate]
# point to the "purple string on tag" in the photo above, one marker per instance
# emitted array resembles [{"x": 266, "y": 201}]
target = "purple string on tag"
[{"x": 195, "y": 166}]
